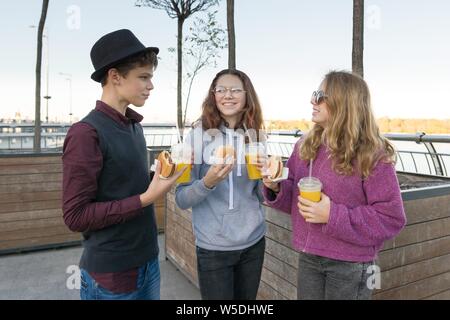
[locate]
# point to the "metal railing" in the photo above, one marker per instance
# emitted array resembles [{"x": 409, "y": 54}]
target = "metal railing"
[
  {"x": 427, "y": 161},
  {"x": 435, "y": 161}
]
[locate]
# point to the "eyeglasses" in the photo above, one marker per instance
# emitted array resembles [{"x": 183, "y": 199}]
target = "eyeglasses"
[
  {"x": 221, "y": 91},
  {"x": 318, "y": 97}
]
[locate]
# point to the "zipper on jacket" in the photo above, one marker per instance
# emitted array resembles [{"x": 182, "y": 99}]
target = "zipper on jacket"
[{"x": 307, "y": 236}]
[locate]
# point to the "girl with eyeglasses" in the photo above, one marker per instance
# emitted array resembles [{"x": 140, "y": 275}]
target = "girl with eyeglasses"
[
  {"x": 227, "y": 214},
  {"x": 339, "y": 236}
]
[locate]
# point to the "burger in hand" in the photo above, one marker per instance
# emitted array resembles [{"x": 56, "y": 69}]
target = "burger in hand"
[
  {"x": 167, "y": 165},
  {"x": 274, "y": 168},
  {"x": 225, "y": 154}
]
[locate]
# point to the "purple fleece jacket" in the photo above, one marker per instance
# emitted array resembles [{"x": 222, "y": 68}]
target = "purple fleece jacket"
[{"x": 363, "y": 213}]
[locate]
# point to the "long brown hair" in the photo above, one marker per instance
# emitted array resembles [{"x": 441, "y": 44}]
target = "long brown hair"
[
  {"x": 351, "y": 134},
  {"x": 251, "y": 113}
]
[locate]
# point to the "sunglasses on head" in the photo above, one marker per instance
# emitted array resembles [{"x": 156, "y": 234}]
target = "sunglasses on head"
[{"x": 318, "y": 97}]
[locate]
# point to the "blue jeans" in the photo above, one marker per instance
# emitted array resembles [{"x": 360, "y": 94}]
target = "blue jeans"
[
  {"x": 230, "y": 275},
  {"x": 321, "y": 278},
  {"x": 148, "y": 285}
]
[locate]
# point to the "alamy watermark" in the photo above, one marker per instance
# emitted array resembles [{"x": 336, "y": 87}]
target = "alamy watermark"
[
  {"x": 73, "y": 281},
  {"x": 73, "y": 21},
  {"x": 373, "y": 17},
  {"x": 374, "y": 281}
]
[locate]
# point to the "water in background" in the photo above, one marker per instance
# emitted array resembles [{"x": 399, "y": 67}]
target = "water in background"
[{"x": 412, "y": 157}]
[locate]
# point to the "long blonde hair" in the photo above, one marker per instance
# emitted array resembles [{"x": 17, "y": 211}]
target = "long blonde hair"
[{"x": 351, "y": 134}]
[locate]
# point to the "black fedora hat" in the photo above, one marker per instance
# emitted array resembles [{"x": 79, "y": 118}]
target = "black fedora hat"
[{"x": 114, "y": 47}]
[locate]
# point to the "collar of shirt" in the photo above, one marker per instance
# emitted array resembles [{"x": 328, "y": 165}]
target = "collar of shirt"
[{"x": 130, "y": 115}]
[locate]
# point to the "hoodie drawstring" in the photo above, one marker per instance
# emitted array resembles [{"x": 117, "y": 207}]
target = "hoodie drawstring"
[
  {"x": 240, "y": 154},
  {"x": 230, "y": 177}
]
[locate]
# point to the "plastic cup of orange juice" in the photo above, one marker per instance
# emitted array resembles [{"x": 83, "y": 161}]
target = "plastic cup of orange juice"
[
  {"x": 254, "y": 151},
  {"x": 181, "y": 154},
  {"x": 310, "y": 188}
]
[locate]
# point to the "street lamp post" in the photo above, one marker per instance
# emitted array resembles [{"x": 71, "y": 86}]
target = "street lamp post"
[
  {"x": 69, "y": 78},
  {"x": 47, "y": 71}
]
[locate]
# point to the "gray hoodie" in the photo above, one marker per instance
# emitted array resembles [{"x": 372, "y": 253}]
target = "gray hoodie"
[{"x": 230, "y": 216}]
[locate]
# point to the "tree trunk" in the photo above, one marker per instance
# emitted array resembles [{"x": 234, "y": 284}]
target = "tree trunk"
[
  {"x": 358, "y": 37},
  {"x": 37, "y": 113},
  {"x": 180, "y": 74},
  {"x": 231, "y": 35}
]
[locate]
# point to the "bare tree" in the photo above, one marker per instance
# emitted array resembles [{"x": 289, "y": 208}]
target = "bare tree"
[
  {"x": 358, "y": 37},
  {"x": 231, "y": 35},
  {"x": 180, "y": 10},
  {"x": 202, "y": 46},
  {"x": 37, "y": 111}
]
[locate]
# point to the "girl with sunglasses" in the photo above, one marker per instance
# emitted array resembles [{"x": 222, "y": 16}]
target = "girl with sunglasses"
[{"x": 339, "y": 236}]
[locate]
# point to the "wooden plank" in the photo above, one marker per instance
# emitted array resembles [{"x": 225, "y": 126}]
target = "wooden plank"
[
  {"x": 435, "y": 208},
  {"x": 30, "y": 206},
  {"x": 30, "y": 196},
  {"x": 180, "y": 245},
  {"x": 170, "y": 205},
  {"x": 266, "y": 292},
  {"x": 186, "y": 269},
  {"x": 160, "y": 211},
  {"x": 280, "y": 268},
  {"x": 419, "y": 211},
  {"x": 34, "y": 233},
  {"x": 393, "y": 258},
  {"x": 279, "y": 234},
  {"x": 388, "y": 244},
  {"x": 414, "y": 272},
  {"x": 30, "y": 187},
  {"x": 180, "y": 220},
  {"x": 186, "y": 258},
  {"x": 30, "y": 215},
  {"x": 283, "y": 253},
  {"x": 181, "y": 232},
  {"x": 417, "y": 290},
  {"x": 29, "y": 160},
  {"x": 422, "y": 232},
  {"x": 440, "y": 296},
  {"x": 278, "y": 218},
  {"x": 186, "y": 214},
  {"x": 279, "y": 284},
  {"x": 30, "y": 178},
  {"x": 39, "y": 241},
  {"x": 28, "y": 169},
  {"x": 31, "y": 224}
]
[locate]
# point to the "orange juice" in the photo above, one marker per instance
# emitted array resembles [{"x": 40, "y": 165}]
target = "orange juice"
[
  {"x": 186, "y": 176},
  {"x": 310, "y": 188},
  {"x": 311, "y": 195},
  {"x": 253, "y": 172}
]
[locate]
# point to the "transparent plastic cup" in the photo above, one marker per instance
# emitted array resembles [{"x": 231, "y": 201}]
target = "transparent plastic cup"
[
  {"x": 182, "y": 155},
  {"x": 254, "y": 151},
  {"x": 310, "y": 188}
]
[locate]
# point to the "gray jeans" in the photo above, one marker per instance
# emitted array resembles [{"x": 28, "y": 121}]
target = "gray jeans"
[
  {"x": 321, "y": 278},
  {"x": 230, "y": 275}
]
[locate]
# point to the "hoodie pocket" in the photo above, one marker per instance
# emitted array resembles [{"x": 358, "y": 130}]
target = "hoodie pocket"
[{"x": 241, "y": 227}]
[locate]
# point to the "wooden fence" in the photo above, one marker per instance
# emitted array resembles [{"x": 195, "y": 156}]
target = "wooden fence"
[
  {"x": 414, "y": 265},
  {"x": 30, "y": 204}
]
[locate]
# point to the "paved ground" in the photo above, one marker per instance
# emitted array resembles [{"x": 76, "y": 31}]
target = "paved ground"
[{"x": 43, "y": 275}]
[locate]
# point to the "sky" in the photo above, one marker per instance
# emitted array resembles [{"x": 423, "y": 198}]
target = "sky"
[{"x": 285, "y": 46}]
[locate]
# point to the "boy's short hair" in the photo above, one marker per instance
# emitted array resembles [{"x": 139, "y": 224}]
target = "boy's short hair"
[{"x": 141, "y": 59}]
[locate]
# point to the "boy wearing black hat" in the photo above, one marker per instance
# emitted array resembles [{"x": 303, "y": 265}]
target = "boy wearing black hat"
[{"x": 107, "y": 191}]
